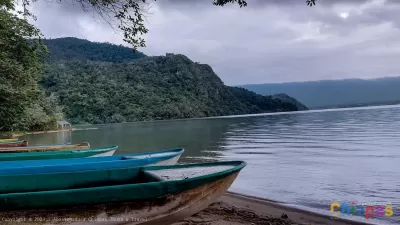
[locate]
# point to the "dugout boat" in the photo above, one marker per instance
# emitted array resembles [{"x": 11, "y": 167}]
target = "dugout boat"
[
  {"x": 10, "y": 170},
  {"x": 140, "y": 195},
  {"x": 8, "y": 140},
  {"x": 45, "y": 148},
  {"x": 18, "y": 143},
  {"x": 94, "y": 152}
]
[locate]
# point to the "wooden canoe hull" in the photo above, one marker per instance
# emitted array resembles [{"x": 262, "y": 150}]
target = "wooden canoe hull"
[
  {"x": 13, "y": 144},
  {"x": 46, "y": 148},
  {"x": 160, "y": 211}
]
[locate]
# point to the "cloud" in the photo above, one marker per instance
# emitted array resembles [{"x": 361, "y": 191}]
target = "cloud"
[{"x": 268, "y": 41}]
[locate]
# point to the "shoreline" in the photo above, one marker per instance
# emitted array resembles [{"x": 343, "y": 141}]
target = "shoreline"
[
  {"x": 218, "y": 117},
  {"x": 40, "y": 132},
  {"x": 235, "y": 209},
  {"x": 50, "y": 131},
  {"x": 243, "y": 115}
]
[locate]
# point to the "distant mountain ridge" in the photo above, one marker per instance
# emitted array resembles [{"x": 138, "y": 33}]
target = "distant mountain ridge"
[
  {"x": 105, "y": 83},
  {"x": 336, "y": 93}
]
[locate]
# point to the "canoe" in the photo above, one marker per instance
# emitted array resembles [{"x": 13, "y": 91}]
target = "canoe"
[
  {"x": 44, "y": 148},
  {"x": 108, "y": 151},
  {"x": 8, "y": 140},
  {"x": 139, "y": 195},
  {"x": 21, "y": 143},
  {"x": 164, "y": 157}
]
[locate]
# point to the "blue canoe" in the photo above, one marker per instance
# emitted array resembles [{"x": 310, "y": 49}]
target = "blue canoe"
[{"x": 164, "y": 157}]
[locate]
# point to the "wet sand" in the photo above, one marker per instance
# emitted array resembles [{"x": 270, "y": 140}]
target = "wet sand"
[{"x": 236, "y": 209}]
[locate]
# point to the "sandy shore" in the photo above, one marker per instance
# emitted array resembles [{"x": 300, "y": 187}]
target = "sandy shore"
[{"x": 235, "y": 209}]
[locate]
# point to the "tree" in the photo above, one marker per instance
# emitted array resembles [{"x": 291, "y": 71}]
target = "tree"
[{"x": 21, "y": 66}]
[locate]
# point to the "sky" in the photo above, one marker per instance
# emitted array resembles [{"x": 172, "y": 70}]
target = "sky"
[{"x": 269, "y": 41}]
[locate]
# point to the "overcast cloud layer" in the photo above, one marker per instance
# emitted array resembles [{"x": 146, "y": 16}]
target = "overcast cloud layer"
[{"x": 268, "y": 41}]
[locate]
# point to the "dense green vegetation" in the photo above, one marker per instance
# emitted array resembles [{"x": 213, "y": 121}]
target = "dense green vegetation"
[
  {"x": 23, "y": 105},
  {"x": 336, "y": 93},
  {"x": 286, "y": 98},
  {"x": 78, "y": 49},
  {"x": 113, "y": 90}
]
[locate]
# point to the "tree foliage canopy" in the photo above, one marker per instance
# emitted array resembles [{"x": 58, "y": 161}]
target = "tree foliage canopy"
[{"x": 78, "y": 49}]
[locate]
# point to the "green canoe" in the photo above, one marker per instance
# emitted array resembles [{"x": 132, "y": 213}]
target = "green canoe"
[
  {"x": 12, "y": 141},
  {"x": 8, "y": 140},
  {"x": 94, "y": 152},
  {"x": 45, "y": 148},
  {"x": 141, "y": 195}
]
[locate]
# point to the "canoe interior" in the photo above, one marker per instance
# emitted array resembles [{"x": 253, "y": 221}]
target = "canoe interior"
[{"x": 186, "y": 172}]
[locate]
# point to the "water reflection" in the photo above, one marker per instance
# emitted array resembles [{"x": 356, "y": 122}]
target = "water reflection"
[{"x": 49, "y": 138}]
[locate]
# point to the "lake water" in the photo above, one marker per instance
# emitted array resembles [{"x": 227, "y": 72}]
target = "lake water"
[{"x": 307, "y": 159}]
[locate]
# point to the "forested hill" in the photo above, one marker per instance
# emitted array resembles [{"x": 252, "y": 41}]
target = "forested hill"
[
  {"x": 107, "y": 88},
  {"x": 286, "y": 98},
  {"x": 71, "y": 48}
]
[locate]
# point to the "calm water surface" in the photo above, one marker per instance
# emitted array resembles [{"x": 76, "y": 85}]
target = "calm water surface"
[{"x": 306, "y": 159}]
